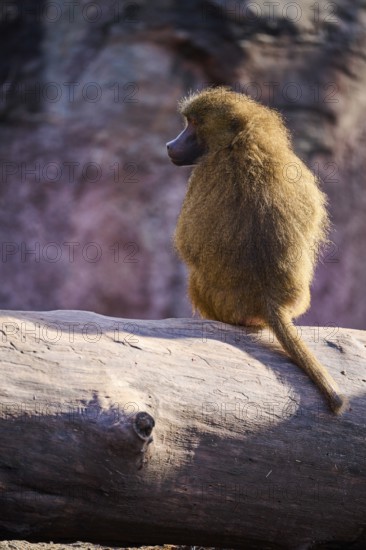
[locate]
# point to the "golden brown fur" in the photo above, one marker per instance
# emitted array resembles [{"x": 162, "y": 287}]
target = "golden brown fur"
[{"x": 251, "y": 223}]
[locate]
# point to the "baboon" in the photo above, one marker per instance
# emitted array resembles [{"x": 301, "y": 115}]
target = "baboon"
[{"x": 252, "y": 221}]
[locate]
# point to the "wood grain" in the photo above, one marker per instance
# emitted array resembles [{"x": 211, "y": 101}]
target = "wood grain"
[{"x": 244, "y": 454}]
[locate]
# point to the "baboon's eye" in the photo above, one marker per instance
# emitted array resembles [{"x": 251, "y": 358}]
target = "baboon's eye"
[{"x": 235, "y": 125}]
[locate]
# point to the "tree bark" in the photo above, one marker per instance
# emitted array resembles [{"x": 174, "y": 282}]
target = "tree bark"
[{"x": 178, "y": 431}]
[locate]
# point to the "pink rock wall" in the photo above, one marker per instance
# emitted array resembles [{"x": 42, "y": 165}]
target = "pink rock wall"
[{"x": 89, "y": 199}]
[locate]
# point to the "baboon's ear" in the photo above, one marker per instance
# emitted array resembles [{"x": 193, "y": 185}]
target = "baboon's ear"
[{"x": 239, "y": 138}]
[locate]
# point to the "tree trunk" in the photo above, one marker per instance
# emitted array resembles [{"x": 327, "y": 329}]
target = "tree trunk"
[{"x": 244, "y": 454}]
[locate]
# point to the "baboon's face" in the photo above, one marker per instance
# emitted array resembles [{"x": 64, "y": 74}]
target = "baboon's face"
[
  {"x": 208, "y": 128},
  {"x": 186, "y": 148}
]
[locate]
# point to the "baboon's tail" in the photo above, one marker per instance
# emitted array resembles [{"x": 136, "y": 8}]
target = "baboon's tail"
[{"x": 286, "y": 333}]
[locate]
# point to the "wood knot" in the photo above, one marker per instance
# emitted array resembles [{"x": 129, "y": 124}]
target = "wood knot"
[{"x": 143, "y": 425}]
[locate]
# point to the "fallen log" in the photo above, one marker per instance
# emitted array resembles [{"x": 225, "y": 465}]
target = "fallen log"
[{"x": 178, "y": 431}]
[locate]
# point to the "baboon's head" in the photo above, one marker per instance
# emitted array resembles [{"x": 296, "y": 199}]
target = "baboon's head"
[{"x": 214, "y": 120}]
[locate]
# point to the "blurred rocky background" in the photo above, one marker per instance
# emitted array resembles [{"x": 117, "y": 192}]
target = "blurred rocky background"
[{"x": 89, "y": 199}]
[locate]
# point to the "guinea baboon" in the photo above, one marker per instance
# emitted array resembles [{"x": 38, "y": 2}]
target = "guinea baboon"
[{"x": 251, "y": 223}]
